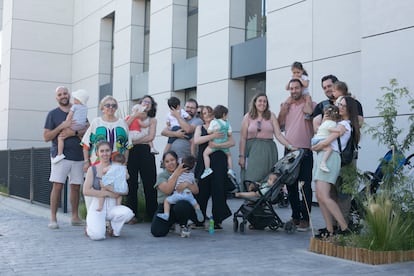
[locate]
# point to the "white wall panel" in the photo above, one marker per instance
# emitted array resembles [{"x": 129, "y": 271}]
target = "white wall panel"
[{"x": 85, "y": 62}]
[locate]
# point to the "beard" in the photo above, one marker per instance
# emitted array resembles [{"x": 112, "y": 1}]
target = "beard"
[{"x": 64, "y": 102}]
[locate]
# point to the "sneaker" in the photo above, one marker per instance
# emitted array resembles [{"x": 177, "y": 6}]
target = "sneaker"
[
  {"x": 199, "y": 214},
  {"x": 295, "y": 221},
  {"x": 324, "y": 168},
  {"x": 163, "y": 216},
  {"x": 53, "y": 225},
  {"x": 345, "y": 232},
  {"x": 303, "y": 226},
  {"x": 206, "y": 173},
  {"x": 185, "y": 231},
  {"x": 58, "y": 158},
  {"x": 231, "y": 174},
  {"x": 154, "y": 151},
  {"x": 323, "y": 234}
]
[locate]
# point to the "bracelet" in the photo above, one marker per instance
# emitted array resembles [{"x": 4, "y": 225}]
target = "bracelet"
[
  {"x": 241, "y": 155},
  {"x": 289, "y": 147}
]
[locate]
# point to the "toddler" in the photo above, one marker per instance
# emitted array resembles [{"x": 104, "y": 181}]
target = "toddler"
[
  {"x": 79, "y": 114},
  {"x": 172, "y": 122},
  {"x": 219, "y": 124},
  {"x": 329, "y": 124},
  {"x": 139, "y": 128},
  {"x": 298, "y": 72},
  {"x": 114, "y": 179},
  {"x": 260, "y": 189},
  {"x": 186, "y": 194}
]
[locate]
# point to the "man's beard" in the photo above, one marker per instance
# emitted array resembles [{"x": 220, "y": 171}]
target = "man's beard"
[{"x": 64, "y": 102}]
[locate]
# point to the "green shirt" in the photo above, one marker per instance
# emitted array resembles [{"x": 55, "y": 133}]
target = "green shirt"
[{"x": 161, "y": 178}]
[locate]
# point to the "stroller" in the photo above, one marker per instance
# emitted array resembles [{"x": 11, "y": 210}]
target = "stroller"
[
  {"x": 259, "y": 212},
  {"x": 371, "y": 182}
]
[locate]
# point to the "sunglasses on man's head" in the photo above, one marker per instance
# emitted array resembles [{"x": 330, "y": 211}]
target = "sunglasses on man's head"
[{"x": 111, "y": 105}]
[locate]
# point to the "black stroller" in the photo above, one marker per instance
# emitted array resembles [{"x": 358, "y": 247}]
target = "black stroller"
[{"x": 259, "y": 212}]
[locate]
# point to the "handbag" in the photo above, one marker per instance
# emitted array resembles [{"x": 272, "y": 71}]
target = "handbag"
[{"x": 350, "y": 152}]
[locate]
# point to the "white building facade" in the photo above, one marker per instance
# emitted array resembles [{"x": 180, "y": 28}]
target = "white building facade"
[{"x": 216, "y": 51}]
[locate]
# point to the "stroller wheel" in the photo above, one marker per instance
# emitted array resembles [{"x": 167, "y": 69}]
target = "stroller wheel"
[
  {"x": 242, "y": 227},
  {"x": 289, "y": 227},
  {"x": 235, "y": 224}
]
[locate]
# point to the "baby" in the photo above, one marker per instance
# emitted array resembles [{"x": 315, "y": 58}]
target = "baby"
[
  {"x": 114, "y": 179},
  {"x": 329, "y": 124},
  {"x": 140, "y": 128},
  {"x": 186, "y": 194},
  {"x": 259, "y": 189},
  {"x": 79, "y": 114}
]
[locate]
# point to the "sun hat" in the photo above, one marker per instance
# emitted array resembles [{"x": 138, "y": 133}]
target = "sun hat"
[{"x": 81, "y": 95}]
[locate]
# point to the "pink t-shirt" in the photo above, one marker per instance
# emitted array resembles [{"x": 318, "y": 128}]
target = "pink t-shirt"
[
  {"x": 298, "y": 131},
  {"x": 259, "y": 128}
]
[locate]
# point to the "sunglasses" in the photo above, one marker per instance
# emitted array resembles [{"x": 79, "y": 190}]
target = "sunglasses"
[
  {"x": 259, "y": 126},
  {"x": 111, "y": 105},
  {"x": 147, "y": 102}
]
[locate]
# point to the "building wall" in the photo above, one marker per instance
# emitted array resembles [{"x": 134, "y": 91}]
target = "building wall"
[{"x": 72, "y": 46}]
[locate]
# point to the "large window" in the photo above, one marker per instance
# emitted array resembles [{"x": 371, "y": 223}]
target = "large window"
[
  {"x": 255, "y": 18},
  {"x": 192, "y": 28},
  {"x": 252, "y": 86},
  {"x": 146, "y": 35}
]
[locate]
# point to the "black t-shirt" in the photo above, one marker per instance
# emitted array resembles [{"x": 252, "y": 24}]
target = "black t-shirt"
[
  {"x": 320, "y": 106},
  {"x": 73, "y": 150}
]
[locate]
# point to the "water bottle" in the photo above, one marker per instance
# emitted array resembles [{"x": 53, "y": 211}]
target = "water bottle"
[{"x": 211, "y": 225}]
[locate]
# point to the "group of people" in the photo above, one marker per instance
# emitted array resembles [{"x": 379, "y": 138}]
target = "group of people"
[{"x": 197, "y": 164}]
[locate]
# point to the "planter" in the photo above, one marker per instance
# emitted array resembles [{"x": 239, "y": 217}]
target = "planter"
[{"x": 361, "y": 255}]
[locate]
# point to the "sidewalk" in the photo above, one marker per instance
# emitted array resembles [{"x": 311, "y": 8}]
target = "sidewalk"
[{"x": 28, "y": 247}]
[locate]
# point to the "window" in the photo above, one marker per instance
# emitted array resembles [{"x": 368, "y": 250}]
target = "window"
[
  {"x": 255, "y": 18},
  {"x": 252, "y": 86},
  {"x": 146, "y": 35},
  {"x": 192, "y": 28}
]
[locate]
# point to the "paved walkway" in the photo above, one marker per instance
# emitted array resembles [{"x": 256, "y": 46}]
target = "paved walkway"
[{"x": 28, "y": 247}]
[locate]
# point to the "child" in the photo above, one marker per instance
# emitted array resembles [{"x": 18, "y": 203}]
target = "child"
[
  {"x": 172, "y": 122},
  {"x": 298, "y": 72},
  {"x": 219, "y": 124},
  {"x": 140, "y": 128},
  {"x": 186, "y": 194},
  {"x": 114, "y": 179},
  {"x": 329, "y": 125},
  {"x": 79, "y": 114},
  {"x": 261, "y": 189}
]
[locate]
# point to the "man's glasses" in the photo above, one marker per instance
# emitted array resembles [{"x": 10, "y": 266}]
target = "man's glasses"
[
  {"x": 259, "y": 126},
  {"x": 111, "y": 105}
]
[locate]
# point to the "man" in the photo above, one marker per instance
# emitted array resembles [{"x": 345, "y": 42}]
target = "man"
[
  {"x": 182, "y": 146},
  {"x": 328, "y": 87},
  {"x": 299, "y": 132},
  {"x": 72, "y": 166}
]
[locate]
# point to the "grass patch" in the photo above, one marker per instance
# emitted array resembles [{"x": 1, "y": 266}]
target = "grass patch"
[{"x": 4, "y": 189}]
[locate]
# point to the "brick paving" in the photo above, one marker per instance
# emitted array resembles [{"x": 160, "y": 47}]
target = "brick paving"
[{"x": 28, "y": 247}]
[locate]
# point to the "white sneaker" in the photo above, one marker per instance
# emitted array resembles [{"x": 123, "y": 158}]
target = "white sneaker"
[
  {"x": 324, "y": 168},
  {"x": 53, "y": 225},
  {"x": 206, "y": 173},
  {"x": 185, "y": 231},
  {"x": 163, "y": 216},
  {"x": 231, "y": 173},
  {"x": 58, "y": 158}
]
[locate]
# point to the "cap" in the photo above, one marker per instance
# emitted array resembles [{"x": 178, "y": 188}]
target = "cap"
[{"x": 81, "y": 95}]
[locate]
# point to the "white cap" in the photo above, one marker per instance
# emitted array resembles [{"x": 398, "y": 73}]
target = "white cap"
[{"x": 81, "y": 95}]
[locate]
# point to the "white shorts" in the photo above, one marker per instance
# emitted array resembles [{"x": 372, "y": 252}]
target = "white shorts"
[{"x": 67, "y": 168}]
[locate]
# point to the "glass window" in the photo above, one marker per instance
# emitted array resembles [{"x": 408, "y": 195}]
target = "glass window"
[
  {"x": 146, "y": 35},
  {"x": 192, "y": 28},
  {"x": 255, "y": 18},
  {"x": 252, "y": 86}
]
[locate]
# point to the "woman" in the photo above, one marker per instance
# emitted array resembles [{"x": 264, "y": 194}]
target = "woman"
[
  {"x": 324, "y": 181},
  {"x": 214, "y": 185},
  {"x": 257, "y": 150},
  {"x": 142, "y": 161},
  {"x": 109, "y": 128},
  {"x": 182, "y": 211},
  {"x": 116, "y": 214}
]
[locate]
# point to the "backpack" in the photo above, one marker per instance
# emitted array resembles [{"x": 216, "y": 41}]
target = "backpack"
[{"x": 350, "y": 152}]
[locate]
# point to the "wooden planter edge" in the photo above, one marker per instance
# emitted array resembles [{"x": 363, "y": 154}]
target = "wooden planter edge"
[{"x": 361, "y": 255}]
